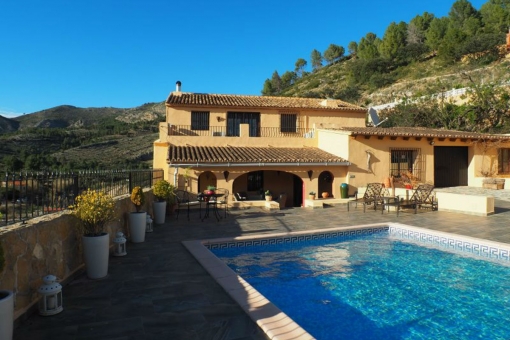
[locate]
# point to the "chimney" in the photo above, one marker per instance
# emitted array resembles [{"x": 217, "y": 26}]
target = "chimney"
[{"x": 178, "y": 86}]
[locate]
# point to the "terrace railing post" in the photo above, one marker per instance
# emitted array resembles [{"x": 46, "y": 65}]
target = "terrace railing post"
[{"x": 130, "y": 182}]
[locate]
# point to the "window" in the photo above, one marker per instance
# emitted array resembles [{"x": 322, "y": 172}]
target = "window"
[
  {"x": 503, "y": 161},
  {"x": 234, "y": 119},
  {"x": 199, "y": 120},
  {"x": 405, "y": 162},
  {"x": 288, "y": 122},
  {"x": 255, "y": 181}
]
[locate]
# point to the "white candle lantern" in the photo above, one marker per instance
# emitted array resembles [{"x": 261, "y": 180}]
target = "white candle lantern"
[
  {"x": 51, "y": 300},
  {"x": 120, "y": 244},
  {"x": 149, "y": 228}
]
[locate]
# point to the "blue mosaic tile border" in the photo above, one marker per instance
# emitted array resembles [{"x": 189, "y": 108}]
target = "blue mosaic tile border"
[
  {"x": 297, "y": 238},
  {"x": 449, "y": 243}
]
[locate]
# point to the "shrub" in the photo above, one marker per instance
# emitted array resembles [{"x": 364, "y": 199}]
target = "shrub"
[
  {"x": 163, "y": 190},
  {"x": 138, "y": 198},
  {"x": 94, "y": 209}
]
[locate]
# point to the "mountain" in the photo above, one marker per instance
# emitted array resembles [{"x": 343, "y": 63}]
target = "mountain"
[
  {"x": 67, "y": 116},
  {"x": 71, "y": 137},
  {"x": 8, "y": 125}
]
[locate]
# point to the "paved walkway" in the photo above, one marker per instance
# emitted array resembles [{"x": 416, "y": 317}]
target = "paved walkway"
[{"x": 159, "y": 291}]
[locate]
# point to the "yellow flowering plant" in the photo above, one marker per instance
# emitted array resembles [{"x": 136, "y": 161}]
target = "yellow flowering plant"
[
  {"x": 94, "y": 209},
  {"x": 163, "y": 191},
  {"x": 138, "y": 198}
]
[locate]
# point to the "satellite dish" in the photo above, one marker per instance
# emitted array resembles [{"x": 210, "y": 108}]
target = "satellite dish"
[{"x": 375, "y": 118}]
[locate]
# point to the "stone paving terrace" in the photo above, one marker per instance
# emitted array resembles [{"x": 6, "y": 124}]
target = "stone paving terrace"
[{"x": 159, "y": 291}]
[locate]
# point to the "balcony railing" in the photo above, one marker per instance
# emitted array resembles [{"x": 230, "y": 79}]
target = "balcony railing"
[
  {"x": 28, "y": 195},
  {"x": 223, "y": 131}
]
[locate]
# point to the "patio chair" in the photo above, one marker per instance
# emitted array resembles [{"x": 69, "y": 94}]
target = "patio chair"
[
  {"x": 184, "y": 199},
  {"x": 372, "y": 196},
  {"x": 421, "y": 196},
  {"x": 222, "y": 200},
  {"x": 241, "y": 196}
]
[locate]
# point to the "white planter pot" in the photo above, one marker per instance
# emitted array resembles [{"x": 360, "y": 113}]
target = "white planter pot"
[
  {"x": 137, "y": 226},
  {"x": 96, "y": 251},
  {"x": 6, "y": 314},
  {"x": 159, "y": 212}
]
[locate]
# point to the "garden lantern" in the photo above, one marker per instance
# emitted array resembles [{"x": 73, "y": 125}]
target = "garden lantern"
[
  {"x": 120, "y": 244},
  {"x": 51, "y": 300},
  {"x": 149, "y": 228}
]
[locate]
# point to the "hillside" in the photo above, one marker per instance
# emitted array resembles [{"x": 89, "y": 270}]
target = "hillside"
[
  {"x": 421, "y": 78},
  {"x": 71, "y": 137}
]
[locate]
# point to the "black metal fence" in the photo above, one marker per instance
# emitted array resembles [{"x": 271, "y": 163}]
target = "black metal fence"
[{"x": 28, "y": 195}]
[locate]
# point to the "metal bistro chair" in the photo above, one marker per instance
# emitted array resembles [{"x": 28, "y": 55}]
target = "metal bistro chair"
[
  {"x": 221, "y": 200},
  {"x": 371, "y": 196},
  {"x": 183, "y": 199}
]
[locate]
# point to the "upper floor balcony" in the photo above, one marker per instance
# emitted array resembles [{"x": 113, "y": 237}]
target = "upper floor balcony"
[{"x": 238, "y": 131}]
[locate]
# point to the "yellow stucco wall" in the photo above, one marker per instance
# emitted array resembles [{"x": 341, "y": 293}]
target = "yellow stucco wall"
[
  {"x": 271, "y": 117},
  {"x": 355, "y": 149}
]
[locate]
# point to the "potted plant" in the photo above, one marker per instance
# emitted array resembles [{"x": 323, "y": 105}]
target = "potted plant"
[
  {"x": 210, "y": 190},
  {"x": 409, "y": 180},
  {"x": 325, "y": 194},
  {"x": 311, "y": 195},
  {"x": 163, "y": 192},
  {"x": 94, "y": 209},
  {"x": 138, "y": 218},
  {"x": 269, "y": 196},
  {"x": 6, "y": 304}
]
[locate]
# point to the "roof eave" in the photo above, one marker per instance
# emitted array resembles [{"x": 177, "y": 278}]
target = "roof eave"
[{"x": 255, "y": 164}]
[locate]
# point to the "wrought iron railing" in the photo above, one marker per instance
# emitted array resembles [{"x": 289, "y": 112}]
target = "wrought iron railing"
[
  {"x": 28, "y": 195},
  {"x": 224, "y": 131}
]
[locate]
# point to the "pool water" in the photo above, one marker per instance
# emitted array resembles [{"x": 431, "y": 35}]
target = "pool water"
[{"x": 375, "y": 287}]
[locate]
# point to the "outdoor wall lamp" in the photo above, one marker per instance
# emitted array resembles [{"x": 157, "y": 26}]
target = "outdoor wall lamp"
[
  {"x": 225, "y": 174},
  {"x": 432, "y": 142},
  {"x": 310, "y": 173}
]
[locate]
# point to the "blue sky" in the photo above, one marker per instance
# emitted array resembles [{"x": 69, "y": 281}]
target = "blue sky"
[{"x": 125, "y": 53}]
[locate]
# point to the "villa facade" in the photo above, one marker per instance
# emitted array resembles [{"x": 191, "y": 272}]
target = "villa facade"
[{"x": 297, "y": 145}]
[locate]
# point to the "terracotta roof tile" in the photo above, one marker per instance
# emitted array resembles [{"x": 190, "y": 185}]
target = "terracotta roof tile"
[
  {"x": 204, "y": 99},
  {"x": 418, "y": 132},
  {"x": 231, "y": 154}
]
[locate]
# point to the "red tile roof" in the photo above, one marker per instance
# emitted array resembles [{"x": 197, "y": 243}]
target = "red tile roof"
[
  {"x": 203, "y": 99},
  {"x": 267, "y": 155},
  {"x": 419, "y": 132}
]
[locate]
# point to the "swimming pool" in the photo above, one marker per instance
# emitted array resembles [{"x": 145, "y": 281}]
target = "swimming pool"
[{"x": 365, "y": 288}]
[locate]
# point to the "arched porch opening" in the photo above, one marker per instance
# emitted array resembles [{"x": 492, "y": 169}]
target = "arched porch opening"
[
  {"x": 207, "y": 178},
  {"x": 326, "y": 183},
  {"x": 254, "y": 184}
]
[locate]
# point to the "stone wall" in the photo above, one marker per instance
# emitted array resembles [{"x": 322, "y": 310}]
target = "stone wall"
[{"x": 50, "y": 244}]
